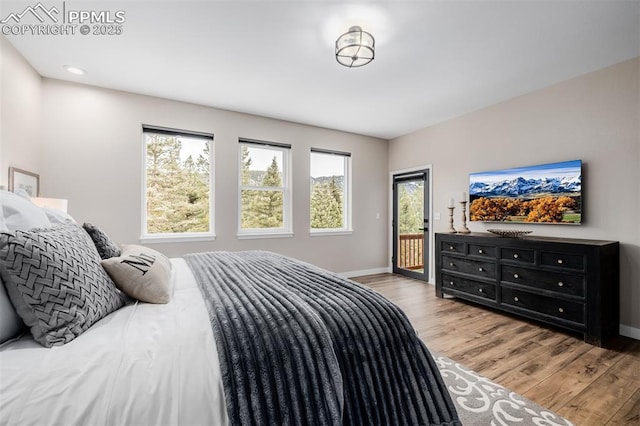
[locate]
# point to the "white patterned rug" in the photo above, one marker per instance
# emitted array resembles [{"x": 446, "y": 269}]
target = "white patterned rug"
[{"x": 480, "y": 401}]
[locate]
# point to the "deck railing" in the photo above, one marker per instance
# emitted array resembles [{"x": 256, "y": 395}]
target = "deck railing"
[{"x": 410, "y": 251}]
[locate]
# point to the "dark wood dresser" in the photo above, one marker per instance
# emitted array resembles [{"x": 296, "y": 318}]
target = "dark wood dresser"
[{"x": 565, "y": 282}]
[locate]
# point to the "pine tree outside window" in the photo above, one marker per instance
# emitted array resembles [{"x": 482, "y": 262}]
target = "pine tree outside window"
[
  {"x": 330, "y": 209},
  {"x": 178, "y": 185},
  {"x": 264, "y": 190}
]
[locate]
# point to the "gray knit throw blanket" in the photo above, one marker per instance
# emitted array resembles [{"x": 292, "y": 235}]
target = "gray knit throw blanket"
[{"x": 299, "y": 345}]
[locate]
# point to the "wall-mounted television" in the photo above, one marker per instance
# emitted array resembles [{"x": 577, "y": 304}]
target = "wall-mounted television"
[{"x": 546, "y": 193}]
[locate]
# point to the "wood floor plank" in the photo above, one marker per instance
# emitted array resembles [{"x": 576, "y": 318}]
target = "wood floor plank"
[
  {"x": 629, "y": 414},
  {"x": 558, "y": 389},
  {"x": 483, "y": 351},
  {"x": 593, "y": 406},
  {"x": 588, "y": 385},
  {"x": 550, "y": 362}
]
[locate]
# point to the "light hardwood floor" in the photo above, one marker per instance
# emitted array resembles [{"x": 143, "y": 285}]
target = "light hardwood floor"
[{"x": 583, "y": 383}]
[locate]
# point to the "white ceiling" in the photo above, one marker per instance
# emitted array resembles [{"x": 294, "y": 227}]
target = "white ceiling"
[{"x": 434, "y": 60}]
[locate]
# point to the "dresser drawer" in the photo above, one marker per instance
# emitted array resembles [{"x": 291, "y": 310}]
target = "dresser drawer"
[
  {"x": 452, "y": 247},
  {"x": 482, "y": 251},
  {"x": 562, "y": 260},
  {"x": 554, "y": 281},
  {"x": 558, "y": 308},
  {"x": 571, "y": 283},
  {"x": 469, "y": 266},
  {"x": 517, "y": 255},
  {"x": 480, "y": 289}
]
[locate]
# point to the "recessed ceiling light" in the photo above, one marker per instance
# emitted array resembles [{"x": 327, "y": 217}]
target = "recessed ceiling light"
[{"x": 74, "y": 70}]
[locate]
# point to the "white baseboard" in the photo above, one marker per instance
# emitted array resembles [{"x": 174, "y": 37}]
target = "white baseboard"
[
  {"x": 632, "y": 332},
  {"x": 363, "y": 272}
]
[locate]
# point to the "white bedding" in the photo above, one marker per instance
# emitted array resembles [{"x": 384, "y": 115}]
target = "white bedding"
[{"x": 142, "y": 365}]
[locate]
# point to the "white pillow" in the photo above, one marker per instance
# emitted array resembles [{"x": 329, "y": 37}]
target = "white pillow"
[
  {"x": 57, "y": 216},
  {"x": 10, "y": 322},
  {"x": 20, "y": 214},
  {"x": 141, "y": 273}
]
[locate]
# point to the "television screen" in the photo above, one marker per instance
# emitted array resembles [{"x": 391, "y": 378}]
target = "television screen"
[{"x": 547, "y": 193}]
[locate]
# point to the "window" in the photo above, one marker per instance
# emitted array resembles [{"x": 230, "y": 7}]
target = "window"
[
  {"x": 330, "y": 191},
  {"x": 178, "y": 189},
  {"x": 265, "y": 195}
]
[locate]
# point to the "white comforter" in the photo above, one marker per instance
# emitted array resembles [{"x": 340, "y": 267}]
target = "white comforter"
[{"x": 142, "y": 365}]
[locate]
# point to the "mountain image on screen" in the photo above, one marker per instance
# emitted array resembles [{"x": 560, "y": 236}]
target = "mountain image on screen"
[
  {"x": 548, "y": 193},
  {"x": 527, "y": 187}
]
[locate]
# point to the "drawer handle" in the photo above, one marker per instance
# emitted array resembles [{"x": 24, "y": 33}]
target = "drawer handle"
[
  {"x": 515, "y": 255},
  {"x": 516, "y": 299},
  {"x": 452, "y": 283},
  {"x": 450, "y": 247},
  {"x": 560, "y": 284},
  {"x": 480, "y": 269},
  {"x": 480, "y": 251},
  {"x": 450, "y": 263},
  {"x": 481, "y": 290},
  {"x": 516, "y": 276},
  {"x": 559, "y": 261},
  {"x": 560, "y": 310}
]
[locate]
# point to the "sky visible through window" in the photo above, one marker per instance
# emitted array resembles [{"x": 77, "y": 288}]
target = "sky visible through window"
[
  {"x": 262, "y": 157},
  {"x": 191, "y": 147},
  {"x": 322, "y": 165},
  {"x": 327, "y": 165}
]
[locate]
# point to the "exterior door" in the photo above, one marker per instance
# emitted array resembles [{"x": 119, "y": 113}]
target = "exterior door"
[{"x": 411, "y": 224}]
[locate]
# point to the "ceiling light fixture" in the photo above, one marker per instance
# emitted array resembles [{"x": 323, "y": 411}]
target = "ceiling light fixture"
[
  {"x": 355, "y": 48},
  {"x": 74, "y": 70}
]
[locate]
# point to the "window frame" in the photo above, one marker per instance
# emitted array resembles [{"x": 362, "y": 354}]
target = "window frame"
[
  {"x": 177, "y": 237},
  {"x": 287, "y": 220},
  {"x": 347, "y": 201}
]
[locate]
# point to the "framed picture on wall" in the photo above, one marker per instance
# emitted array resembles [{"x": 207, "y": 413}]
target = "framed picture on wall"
[{"x": 22, "y": 179}]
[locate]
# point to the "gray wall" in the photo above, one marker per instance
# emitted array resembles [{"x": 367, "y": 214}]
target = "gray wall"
[
  {"x": 86, "y": 144},
  {"x": 96, "y": 135},
  {"x": 595, "y": 118},
  {"x": 19, "y": 113}
]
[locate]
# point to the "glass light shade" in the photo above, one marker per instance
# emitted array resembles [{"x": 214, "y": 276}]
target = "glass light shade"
[{"x": 355, "y": 48}]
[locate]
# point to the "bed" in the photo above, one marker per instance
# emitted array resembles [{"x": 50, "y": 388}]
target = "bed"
[{"x": 233, "y": 338}]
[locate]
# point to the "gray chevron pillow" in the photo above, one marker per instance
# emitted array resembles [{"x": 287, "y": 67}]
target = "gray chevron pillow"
[
  {"x": 106, "y": 247},
  {"x": 54, "y": 279}
]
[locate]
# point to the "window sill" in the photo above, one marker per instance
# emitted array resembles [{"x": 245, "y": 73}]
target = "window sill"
[
  {"x": 178, "y": 238},
  {"x": 329, "y": 232},
  {"x": 257, "y": 235}
]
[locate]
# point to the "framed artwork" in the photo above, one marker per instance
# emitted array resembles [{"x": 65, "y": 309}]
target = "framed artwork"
[{"x": 22, "y": 179}]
